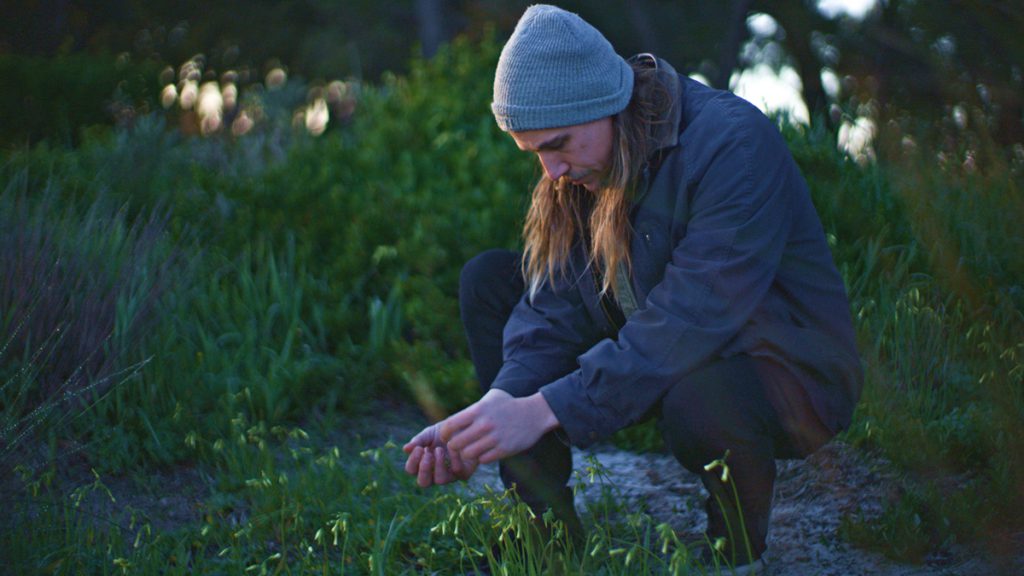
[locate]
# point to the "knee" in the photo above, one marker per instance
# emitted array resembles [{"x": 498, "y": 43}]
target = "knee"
[
  {"x": 486, "y": 266},
  {"x": 686, "y": 425},
  {"x": 721, "y": 407},
  {"x": 487, "y": 273}
]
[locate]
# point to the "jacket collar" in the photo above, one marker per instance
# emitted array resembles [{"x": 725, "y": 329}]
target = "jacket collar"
[{"x": 664, "y": 133}]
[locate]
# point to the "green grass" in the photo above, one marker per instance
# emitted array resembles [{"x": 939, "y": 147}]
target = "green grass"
[
  {"x": 302, "y": 281},
  {"x": 284, "y": 501}
]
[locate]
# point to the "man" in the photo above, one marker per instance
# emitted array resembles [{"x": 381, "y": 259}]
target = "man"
[{"x": 674, "y": 267}]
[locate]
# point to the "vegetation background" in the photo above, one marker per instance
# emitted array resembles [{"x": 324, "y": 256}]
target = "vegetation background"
[{"x": 230, "y": 237}]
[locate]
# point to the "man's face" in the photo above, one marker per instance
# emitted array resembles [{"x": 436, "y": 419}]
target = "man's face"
[{"x": 580, "y": 153}]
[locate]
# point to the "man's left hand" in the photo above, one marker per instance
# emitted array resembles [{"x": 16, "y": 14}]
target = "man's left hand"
[{"x": 498, "y": 426}]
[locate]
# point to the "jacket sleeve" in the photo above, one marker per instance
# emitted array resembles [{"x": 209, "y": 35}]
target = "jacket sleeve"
[
  {"x": 543, "y": 338},
  {"x": 738, "y": 179}
]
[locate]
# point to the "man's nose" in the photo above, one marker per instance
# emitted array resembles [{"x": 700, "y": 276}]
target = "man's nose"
[{"x": 554, "y": 168}]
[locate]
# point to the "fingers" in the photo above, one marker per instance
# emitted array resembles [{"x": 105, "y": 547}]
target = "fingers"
[
  {"x": 412, "y": 463},
  {"x": 451, "y": 425},
  {"x": 462, "y": 468},
  {"x": 458, "y": 466},
  {"x": 442, "y": 475},
  {"x": 429, "y": 466},
  {"x": 493, "y": 455},
  {"x": 475, "y": 450},
  {"x": 469, "y": 435},
  {"x": 426, "y": 437},
  {"x": 425, "y": 475},
  {"x": 427, "y": 459}
]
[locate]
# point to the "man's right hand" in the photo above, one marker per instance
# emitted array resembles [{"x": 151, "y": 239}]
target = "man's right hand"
[{"x": 432, "y": 463}]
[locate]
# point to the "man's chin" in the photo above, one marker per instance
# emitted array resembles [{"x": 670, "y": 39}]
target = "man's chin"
[
  {"x": 592, "y": 184},
  {"x": 589, "y": 182}
]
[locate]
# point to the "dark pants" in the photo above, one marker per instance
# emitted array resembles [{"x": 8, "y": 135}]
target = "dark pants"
[{"x": 745, "y": 406}]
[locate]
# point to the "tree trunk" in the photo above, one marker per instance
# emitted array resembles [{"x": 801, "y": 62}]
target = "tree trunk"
[
  {"x": 430, "y": 17},
  {"x": 729, "y": 49}
]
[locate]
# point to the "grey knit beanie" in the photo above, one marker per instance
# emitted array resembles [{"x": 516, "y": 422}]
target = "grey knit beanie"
[{"x": 557, "y": 70}]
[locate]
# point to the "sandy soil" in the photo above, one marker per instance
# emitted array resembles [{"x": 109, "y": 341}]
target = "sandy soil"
[{"x": 811, "y": 498}]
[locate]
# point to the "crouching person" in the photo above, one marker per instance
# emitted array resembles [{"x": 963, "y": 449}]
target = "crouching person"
[{"x": 673, "y": 267}]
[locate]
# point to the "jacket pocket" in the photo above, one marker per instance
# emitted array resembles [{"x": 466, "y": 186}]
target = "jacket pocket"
[{"x": 651, "y": 252}]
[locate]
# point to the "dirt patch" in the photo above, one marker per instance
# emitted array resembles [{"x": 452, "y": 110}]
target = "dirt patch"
[{"x": 811, "y": 498}]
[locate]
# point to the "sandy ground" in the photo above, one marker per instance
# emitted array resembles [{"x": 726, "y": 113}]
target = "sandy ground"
[{"x": 811, "y": 498}]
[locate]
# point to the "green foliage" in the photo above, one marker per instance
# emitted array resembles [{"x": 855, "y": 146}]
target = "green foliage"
[
  {"x": 53, "y": 98},
  {"x": 934, "y": 268},
  {"x": 324, "y": 270},
  {"x": 643, "y": 437},
  {"x": 288, "y": 501},
  {"x": 900, "y": 533},
  {"x": 390, "y": 210}
]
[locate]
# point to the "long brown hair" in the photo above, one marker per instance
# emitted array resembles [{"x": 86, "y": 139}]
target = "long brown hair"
[{"x": 560, "y": 211}]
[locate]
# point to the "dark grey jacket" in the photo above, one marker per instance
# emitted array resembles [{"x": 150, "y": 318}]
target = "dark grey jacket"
[{"x": 729, "y": 257}]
